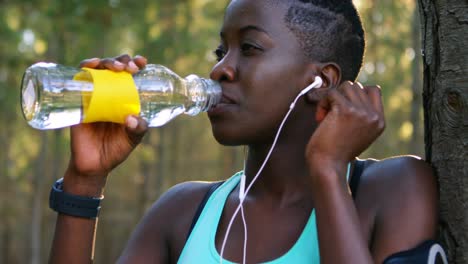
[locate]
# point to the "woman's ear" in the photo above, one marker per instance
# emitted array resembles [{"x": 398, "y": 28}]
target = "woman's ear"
[{"x": 331, "y": 77}]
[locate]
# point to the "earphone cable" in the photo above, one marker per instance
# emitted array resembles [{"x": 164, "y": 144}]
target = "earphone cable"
[
  {"x": 245, "y": 235},
  {"x": 316, "y": 83}
]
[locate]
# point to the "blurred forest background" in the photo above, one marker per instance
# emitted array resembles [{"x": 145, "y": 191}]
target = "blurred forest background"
[{"x": 180, "y": 34}]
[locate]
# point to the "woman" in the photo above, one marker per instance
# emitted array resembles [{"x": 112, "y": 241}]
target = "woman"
[{"x": 301, "y": 203}]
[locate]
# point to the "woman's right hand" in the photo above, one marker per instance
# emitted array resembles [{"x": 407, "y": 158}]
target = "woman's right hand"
[{"x": 97, "y": 148}]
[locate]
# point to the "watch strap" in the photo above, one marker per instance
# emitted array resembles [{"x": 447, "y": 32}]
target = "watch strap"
[{"x": 74, "y": 205}]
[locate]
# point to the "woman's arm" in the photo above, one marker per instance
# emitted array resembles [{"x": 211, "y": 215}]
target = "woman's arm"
[
  {"x": 74, "y": 236},
  {"x": 403, "y": 194},
  {"x": 350, "y": 118},
  {"x": 408, "y": 205},
  {"x": 341, "y": 238},
  {"x": 96, "y": 149},
  {"x": 161, "y": 235}
]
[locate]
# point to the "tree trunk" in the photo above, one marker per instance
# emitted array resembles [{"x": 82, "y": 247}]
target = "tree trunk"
[
  {"x": 416, "y": 102},
  {"x": 445, "y": 58}
]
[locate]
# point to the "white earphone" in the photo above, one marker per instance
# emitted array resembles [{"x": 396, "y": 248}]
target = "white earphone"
[
  {"x": 316, "y": 84},
  {"x": 243, "y": 191}
]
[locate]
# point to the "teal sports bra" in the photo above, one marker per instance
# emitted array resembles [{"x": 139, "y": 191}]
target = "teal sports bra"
[{"x": 200, "y": 246}]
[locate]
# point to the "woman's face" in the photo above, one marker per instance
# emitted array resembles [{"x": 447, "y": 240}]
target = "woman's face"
[{"x": 261, "y": 69}]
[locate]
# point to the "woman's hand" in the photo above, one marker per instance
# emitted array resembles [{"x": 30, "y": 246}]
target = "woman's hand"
[
  {"x": 350, "y": 118},
  {"x": 97, "y": 148},
  {"x": 120, "y": 63}
]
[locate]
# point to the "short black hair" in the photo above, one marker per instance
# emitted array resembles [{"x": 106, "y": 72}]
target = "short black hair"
[{"x": 328, "y": 31}]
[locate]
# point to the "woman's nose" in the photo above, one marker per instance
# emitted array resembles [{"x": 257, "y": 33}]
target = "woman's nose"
[{"x": 223, "y": 71}]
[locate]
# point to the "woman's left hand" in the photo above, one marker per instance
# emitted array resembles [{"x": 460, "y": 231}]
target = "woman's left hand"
[{"x": 350, "y": 118}]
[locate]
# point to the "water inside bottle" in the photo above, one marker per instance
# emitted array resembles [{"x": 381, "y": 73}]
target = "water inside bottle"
[
  {"x": 59, "y": 104},
  {"x": 53, "y": 104},
  {"x": 158, "y": 108}
]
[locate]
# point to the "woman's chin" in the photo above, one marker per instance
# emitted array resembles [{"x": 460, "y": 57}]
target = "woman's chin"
[{"x": 224, "y": 138}]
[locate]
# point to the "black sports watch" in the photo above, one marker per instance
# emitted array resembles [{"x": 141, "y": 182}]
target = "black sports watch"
[{"x": 74, "y": 205}]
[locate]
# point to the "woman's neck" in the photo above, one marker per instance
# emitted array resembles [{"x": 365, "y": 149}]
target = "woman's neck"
[
  {"x": 285, "y": 175},
  {"x": 286, "y": 172}
]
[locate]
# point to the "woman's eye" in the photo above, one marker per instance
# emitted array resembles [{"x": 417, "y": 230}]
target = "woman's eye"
[
  {"x": 219, "y": 53},
  {"x": 249, "y": 49}
]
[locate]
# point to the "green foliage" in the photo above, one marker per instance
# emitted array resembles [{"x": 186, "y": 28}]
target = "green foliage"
[
  {"x": 388, "y": 63},
  {"x": 181, "y": 35}
]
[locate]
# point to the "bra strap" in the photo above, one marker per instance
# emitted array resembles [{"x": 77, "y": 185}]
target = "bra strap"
[
  {"x": 202, "y": 205},
  {"x": 356, "y": 176}
]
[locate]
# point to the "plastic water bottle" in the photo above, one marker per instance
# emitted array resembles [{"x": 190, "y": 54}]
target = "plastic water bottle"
[{"x": 53, "y": 97}]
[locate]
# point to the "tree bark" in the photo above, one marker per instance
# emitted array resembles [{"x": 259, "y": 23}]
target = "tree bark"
[
  {"x": 415, "y": 146},
  {"x": 445, "y": 58}
]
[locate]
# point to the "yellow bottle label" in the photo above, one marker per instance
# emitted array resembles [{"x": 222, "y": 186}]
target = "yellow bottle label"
[{"x": 114, "y": 96}]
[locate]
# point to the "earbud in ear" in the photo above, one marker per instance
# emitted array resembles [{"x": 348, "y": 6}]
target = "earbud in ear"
[{"x": 316, "y": 84}]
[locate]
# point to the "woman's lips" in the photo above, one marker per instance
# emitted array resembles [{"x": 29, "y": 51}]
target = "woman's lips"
[
  {"x": 225, "y": 103},
  {"x": 225, "y": 99}
]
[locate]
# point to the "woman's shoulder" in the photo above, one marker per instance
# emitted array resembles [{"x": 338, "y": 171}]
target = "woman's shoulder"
[
  {"x": 167, "y": 223},
  {"x": 401, "y": 195},
  {"x": 399, "y": 174},
  {"x": 185, "y": 193},
  {"x": 181, "y": 201}
]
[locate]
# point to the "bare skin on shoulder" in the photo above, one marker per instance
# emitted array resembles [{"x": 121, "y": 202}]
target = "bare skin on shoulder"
[{"x": 269, "y": 51}]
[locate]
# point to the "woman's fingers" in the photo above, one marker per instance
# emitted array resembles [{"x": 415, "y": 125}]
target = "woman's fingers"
[
  {"x": 124, "y": 58},
  {"x": 90, "y": 63},
  {"x": 361, "y": 93},
  {"x": 140, "y": 61},
  {"x": 111, "y": 64},
  {"x": 353, "y": 98},
  {"x": 353, "y": 92},
  {"x": 130, "y": 65},
  {"x": 136, "y": 128},
  {"x": 375, "y": 96},
  {"x": 120, "y": 63},
  {"x": 333, "y": 101}
]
